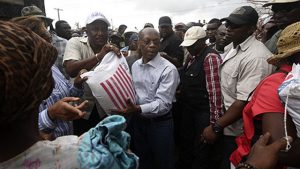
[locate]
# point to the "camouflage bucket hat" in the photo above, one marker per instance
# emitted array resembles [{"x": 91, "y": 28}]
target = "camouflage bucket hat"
[{"x": 34, "y": 11}]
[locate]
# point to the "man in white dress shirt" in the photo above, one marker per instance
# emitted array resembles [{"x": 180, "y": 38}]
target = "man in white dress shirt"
[{"x": 155, "y": 81}]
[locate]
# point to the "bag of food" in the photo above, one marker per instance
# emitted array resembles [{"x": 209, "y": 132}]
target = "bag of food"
[{"x": 111, "y": 82}]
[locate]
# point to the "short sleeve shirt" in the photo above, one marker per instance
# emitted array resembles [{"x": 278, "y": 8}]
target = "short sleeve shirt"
[
  {"x": 78, "y": 48},
  {"x": 240, "y": 72}
]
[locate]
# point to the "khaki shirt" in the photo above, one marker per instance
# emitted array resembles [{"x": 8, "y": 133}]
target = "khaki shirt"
[
  {"x": 240, "y": 73},
  {"x": 78, "y": 48}
]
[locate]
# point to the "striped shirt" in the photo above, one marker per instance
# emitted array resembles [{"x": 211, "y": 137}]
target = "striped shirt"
[
  {"x": 63, "y": 88},
  {"x": 60, "y": 44}
]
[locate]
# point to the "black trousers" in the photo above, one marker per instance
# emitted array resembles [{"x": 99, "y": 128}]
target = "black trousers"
[
  {"x": 153, "y": 141},
  {"x": 229, "y": 146},
  {"x": 194, "y": 154}
]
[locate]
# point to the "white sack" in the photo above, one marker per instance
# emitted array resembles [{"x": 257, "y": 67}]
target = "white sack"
[
  {"x": 291, "y": 88},
  {"x": 111, "y": 82}
]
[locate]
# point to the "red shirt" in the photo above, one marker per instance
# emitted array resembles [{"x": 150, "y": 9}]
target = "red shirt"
[
  {"x": 211, "y": 66},
  {"x": 265, "y": 99}
]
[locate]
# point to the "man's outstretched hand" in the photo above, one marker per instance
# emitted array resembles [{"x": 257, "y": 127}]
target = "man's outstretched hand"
[{"x": 63, "y": 110}]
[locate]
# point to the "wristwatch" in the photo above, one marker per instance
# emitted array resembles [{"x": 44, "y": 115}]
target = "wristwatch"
[{"x": 217, "y": 128}]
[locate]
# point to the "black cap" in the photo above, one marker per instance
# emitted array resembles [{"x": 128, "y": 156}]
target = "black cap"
[
  {"x": 245, "y": 15},
  {"x": 165, "y": 21},
  {"x": 181, "y": 26},
  {"x": 116, "y": 34},
  {"x": 122, "y": 26},
  {"x": 148, "y": 25}
]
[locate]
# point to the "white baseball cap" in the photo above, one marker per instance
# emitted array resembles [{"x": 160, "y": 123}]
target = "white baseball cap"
[
  {"x": 96, "y": 16},
  {"x": 192, "y": 35}
]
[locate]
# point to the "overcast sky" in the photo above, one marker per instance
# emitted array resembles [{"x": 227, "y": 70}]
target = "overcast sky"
[{"x": 135, "y": 13}]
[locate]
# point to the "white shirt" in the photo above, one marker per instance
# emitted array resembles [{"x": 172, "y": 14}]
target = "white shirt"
[{"x": 155, "y": 84}]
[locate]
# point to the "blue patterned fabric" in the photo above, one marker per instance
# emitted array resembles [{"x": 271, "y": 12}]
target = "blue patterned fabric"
[{"x": 105, "y": 146}]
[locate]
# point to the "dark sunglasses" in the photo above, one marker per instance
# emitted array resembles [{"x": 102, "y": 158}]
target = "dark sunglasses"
[{"x": 232, "y": 25}]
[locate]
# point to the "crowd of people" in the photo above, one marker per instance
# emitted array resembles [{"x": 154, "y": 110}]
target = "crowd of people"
[{"x": 206, "y": 95}]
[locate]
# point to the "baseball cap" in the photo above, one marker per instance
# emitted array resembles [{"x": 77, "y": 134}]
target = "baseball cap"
[
  {"x": 150, "y": 25},
  {"x": 165, "y": 21},
  {"x": 96, "y": 16},
  {"x": 272, "y": 2},
  {"x": 180, "y": 26},
  {"x": 192, "y": 35},
  {"x": 245, "y": 15},
  {"x": 123, "y": 26},
  {"x": 116, "y": 34},
  {"x": 34, "y": 11}
]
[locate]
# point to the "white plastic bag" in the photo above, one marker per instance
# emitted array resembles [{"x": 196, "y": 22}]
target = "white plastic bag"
[
  {"x": 289, "y": 93},
  {"x": 111, "y": 82}
]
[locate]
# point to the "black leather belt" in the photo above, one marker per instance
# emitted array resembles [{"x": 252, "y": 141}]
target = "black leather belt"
[{"x": 164, "y": 117}]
